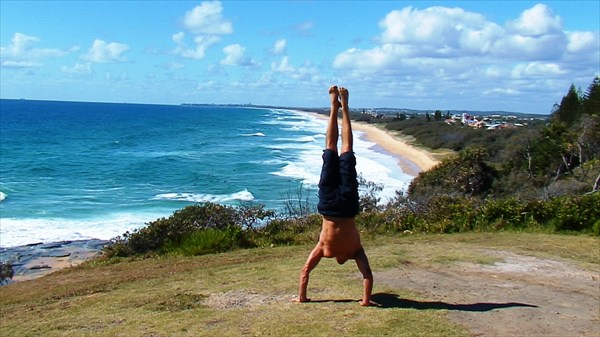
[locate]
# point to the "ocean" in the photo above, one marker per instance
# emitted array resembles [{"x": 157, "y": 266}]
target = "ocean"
[{"x": 77, "y": 171}]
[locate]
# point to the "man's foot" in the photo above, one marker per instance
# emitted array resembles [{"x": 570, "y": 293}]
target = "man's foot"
[
  {"x": 300, "y": 300},
  {"x": 334, "y": 95},
  {"x": 344, "y": 94}
]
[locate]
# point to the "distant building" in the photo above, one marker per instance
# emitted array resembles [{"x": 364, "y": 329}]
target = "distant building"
[{"x": 468, "y": 119}]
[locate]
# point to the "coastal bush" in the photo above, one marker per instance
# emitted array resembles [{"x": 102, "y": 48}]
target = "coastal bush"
[
  {"x": 449, "y": 214},
  {"x": 368, "y": 195},
  {"x": 297, "y": 203},
  {"x": 223, "y": 230},
  {"x": 288, "y": 231},
  {"x": 498, "y": 214},
  {"x": 209, "y": 240},
  {"x": 6, "y": 272},
  {"x": 575, "y": 214},
  {"x": 185, "y": 222}
]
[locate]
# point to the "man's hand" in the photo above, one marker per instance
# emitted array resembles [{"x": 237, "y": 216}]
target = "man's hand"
[{"x": 369, "y": 304}]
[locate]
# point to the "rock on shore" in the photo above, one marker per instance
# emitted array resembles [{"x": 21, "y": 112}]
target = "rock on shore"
[{"x": 38, "y": 259}]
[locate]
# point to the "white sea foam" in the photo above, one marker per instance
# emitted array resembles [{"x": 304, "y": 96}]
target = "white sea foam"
[
  {"x": 308, "y": 175},
  {"x": 305, "y": 139},
  {"x": 268, "y": 162},
  {"x": 286, "y": 146},
  {"x": 256, "y": 134},
  {"x": 372, "y": 164},
  {"x": 18, "y": 232},
  {"x": 244, "y": 195},
  {"x": 2, "y": 196}
]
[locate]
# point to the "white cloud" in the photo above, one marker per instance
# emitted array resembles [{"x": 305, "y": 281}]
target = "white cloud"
[
  {"x": 21, "y": 44},
  {"x": 78, "y": 69},
  {"x": 535, "y": 69},
  {"x": 582, "y": 42},
  {"x": 104, "y": 52},
  {"x": 305, "y": 73},
  {"x": 283, "y": 66},
  {"x": 279, "y": 46},
  {"x": 205, "y": 23},
  {"x": 207, "y": 19},
  {"x": 234, "y": 56},
  {"x": 536, "y": 21},
  {"x": 536, "y": 34},
  {"x": 202, "y": 43},
  {"x": 21, "y": 53},
  {"x": 174, "y": 65},
  {"x": 501, "y": 92},
  {"x": 178, "y": 38},
  {"x": 303, "y": 28},
  {"x": 444, "y": 33},
  {"x": 457, "y": 55},
  {"x": 20, "y": 64},
  {"x": 422, "y": 39},
  {"x": 438, "y": 31}
]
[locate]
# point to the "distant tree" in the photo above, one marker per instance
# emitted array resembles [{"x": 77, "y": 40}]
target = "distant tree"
[
  {"x": 465, "y": 175},
  {"x": 591, "y": 100},
  {"x": 369, "y": 194},
  {"x": 569, "y": 109},
  {"x": 438, "y": 115},
  {"x": 447, "y": 114},
  {"x": 427, "y": 117}
]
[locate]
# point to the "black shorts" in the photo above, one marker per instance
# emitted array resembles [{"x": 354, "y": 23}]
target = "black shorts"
[{"x": 338, "y": 187}]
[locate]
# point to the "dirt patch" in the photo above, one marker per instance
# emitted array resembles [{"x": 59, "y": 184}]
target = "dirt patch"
[
  {"x": 519, "y": 296},
  {"x": 240, "y": 299}
]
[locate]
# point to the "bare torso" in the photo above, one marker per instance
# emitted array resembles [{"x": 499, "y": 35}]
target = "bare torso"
[{"x": 339, "y": 238}]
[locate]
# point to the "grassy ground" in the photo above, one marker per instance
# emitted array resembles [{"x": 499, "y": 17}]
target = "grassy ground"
[{"x": 247, "y": 292}]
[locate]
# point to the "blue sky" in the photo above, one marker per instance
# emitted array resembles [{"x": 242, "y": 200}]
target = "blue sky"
[{"x": 475, "y": 55}]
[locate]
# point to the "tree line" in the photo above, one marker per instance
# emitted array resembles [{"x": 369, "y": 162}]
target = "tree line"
[{"x": 560, "y": 157}]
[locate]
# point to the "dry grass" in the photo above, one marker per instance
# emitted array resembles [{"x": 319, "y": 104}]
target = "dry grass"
[{"x": 247, "y": 292}]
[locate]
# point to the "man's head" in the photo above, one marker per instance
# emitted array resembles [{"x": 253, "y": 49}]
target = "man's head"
[{"x": 341, "y": 259}]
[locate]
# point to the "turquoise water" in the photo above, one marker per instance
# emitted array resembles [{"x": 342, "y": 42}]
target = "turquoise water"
[{"x": 73, "y": 171}]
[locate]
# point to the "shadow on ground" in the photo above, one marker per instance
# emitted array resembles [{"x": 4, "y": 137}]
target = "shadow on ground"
[{"x": 388, "y": 300}]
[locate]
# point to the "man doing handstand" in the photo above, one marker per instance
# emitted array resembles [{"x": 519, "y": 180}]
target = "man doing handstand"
[{"x": 338, "y": 202}]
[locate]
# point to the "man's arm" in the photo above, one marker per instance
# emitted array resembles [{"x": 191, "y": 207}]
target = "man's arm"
[
  {"x": 313, "y": 260},
  {"x": 363, "y": 265}
]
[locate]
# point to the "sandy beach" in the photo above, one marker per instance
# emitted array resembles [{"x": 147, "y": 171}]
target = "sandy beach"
[{"x": 411, "y": 159}]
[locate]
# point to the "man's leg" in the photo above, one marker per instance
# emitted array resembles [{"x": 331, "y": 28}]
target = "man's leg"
[
  {"x": 347, "y": 143},
  {"x": 331, "y": 137},
  {"x": 330, "y": 180},
  {"x": 348, "y": 181}
]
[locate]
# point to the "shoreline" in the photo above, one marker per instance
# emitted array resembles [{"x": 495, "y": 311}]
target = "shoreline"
[
  {"x": 411, "y": 159},
  {"x": 36, "y": 260}
]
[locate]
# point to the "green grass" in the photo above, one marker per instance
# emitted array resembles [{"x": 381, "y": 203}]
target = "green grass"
[{"x": 247, "y": 292}]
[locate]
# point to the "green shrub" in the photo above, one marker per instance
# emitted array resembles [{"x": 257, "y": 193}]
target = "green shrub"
[
  {"x": 6, "y": 272},
  {"x": 498, "y": 214},
  {"x": 575, "y": 213},
  {"x": 182, "y": 224},
  {"x": 209, "y": 240},
  {"x": 288, "y": 231}
]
